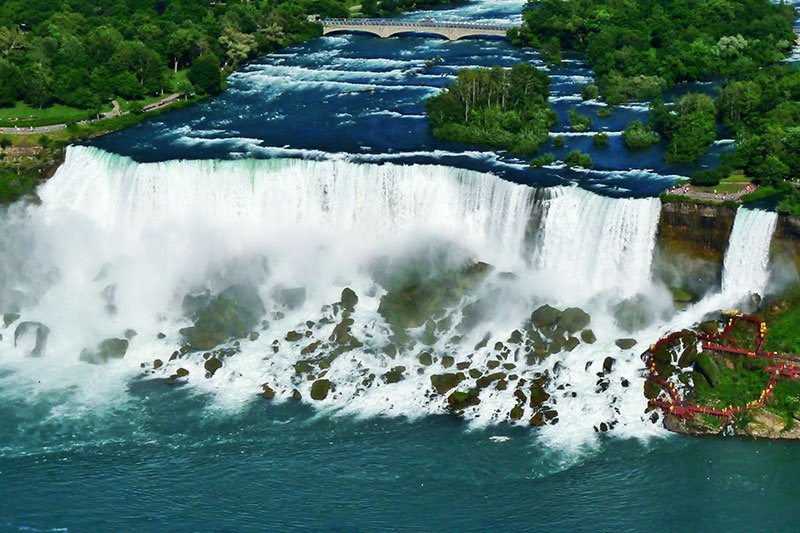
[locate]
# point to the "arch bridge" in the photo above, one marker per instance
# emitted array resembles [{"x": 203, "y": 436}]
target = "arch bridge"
[{"x": 385, "y": 28}]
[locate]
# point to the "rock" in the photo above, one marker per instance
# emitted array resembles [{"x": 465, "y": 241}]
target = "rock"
[
  {"x": 425, "y": 359},
  {"x": 571, "y": 344},
  {"x": 395, "y": 375},
  {"x": 708, "y": 368},
  {"x": 303, "y": 367},
  {"x": 463, "y": 365},
  {"x": 181, "y": 372},
  {"x": 460, "y": 400},
  {"x": 319, "y": 389},
  {"x": 625, "y": 344},
  {"x": 516, "y": 337},
  {"x": 294, "y": 336},
  {"x": 501, "y": 385},
  {"x": 574, "y": 319},
  {"x": 254, "y": 335},
  {"x": 442, "y": 383},
  {"x": 765, "y": 424},
  {"x": 212, "y": 365},
  {"x": 107, "y": 350},
  {"x": 290, "y": 298},
  {"x": 10, "y": 318},
  {"x": 491, "y": 365},
  {"x": 588, "y": 336},
  {"x": 161, "y": 336},
  {"x": 232, "y": 314},
  {"x": 448, "y": 361},
  {"x": 158, "y": 363},
  {"x": 545, "y": 316},
  {"x": 474, "y": 373},
  {"x": 651, "y": 389},
  {"x": 487, "y": 380},
  {"x": 130, "y": 334},
  {"x": 681, "y": 296},
  {"x": 296, "y": 395},
  {"x": 516, "y": 413},
  {"x": 267, "y": 392},
  {"x": 341, "y": 333},
  {"x": 349, "y": 299},
  {"x": 40, "y": 334},
  {"x": 633, "y": 314},
  {"x": 608, "y": 364}
]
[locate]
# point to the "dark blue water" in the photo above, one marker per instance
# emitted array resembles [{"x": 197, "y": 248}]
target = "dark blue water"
[
  {"x": 164, "y": 462},
  {"x": 362, "y": 98}
]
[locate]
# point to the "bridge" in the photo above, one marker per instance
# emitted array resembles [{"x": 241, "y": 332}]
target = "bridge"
[{"x": 386, "y": 28}]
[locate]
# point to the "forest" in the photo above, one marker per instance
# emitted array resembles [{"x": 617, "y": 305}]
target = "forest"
[{"x": 505, "y": 108}]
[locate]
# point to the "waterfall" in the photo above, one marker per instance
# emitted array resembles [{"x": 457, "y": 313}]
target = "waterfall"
[
  {"x": 600, "y": 242},
  {"x": 746, "y": 266}
]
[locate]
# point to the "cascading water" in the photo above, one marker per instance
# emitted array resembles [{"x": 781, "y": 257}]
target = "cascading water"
[
  {"x": 118, "y": 245},
  {"x": 746, "y": 266}
]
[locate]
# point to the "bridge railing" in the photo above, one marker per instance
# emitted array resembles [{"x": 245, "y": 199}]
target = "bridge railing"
[{"x": 415, "y": 24}]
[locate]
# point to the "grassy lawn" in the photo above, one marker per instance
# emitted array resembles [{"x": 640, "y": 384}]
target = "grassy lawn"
[
  {"x": 23, "y": 115},
  {"x": 723, "y": 187}
]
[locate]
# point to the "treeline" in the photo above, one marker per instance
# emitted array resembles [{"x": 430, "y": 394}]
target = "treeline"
[
  {"x": 639, "y": 47},
  {"x": 83, "y": 53},
  {"x": 385, "y": 8},
  {"x": 505, "y": 108}
]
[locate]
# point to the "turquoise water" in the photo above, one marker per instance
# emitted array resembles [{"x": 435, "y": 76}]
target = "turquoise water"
[{"x": 165, "y": 462}]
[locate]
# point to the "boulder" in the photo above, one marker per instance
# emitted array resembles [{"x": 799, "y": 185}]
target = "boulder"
[
  {"x": 708, "y": 368},
  {"x": 442, "y": 383},
  {"x": 460, "y": 400},
  {"x": 395, "y": 375},
  {"x": 212, "y": 365},
  {"x": 448, "y": 361},
  {"x": 320, "y": 389},
  {"x": 267, "y": 392},
  {"x": 294, "y": 336},
  {"x": 545, "y": 316},
  {"x": 633, "y": 314},
  {"x": 571, "y": 344},
  {"x": 608, "y": 364},
  {"x": 349, "y": 299},
  {"x": 38, "y": 331},
  {"x": 588, "y": 336},
  {"x": 574, "y": 319},
  {"x": 107, "y": 350},
  {"x": 233, "y": 313},
  {"x": 625, "y": 344},
  {"x": 425, "y": 359}
]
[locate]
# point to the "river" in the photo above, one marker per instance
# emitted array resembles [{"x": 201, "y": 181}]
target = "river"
[{"x": 313, "y": 175}]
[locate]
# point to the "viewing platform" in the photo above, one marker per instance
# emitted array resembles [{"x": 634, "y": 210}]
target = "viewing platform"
[{"x": 386, "y": 28}]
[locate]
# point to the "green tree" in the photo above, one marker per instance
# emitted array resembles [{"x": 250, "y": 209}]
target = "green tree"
[{"x": 205, "y": 74}]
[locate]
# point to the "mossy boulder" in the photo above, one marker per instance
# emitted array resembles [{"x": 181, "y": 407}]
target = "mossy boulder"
[
  {"x": 349, "y": 299},
  {"x": 708, "y": 368},
  {"x": 294, "y": 336},
  {"x": 267, "y": 392},
  {"x": 232, "y": 314},
  {"x": 320, "y": 389},
  {"x": 109, "y": 349},
  {"x": 212, "y": 365},
  {"x": 625, "y": 344},
  {"x": 488, "y": 379},
  {"x": 545, "y": 316},
  {"x": 425, "y": 359},
  {"x": 395, "y": 375},
  {"x": 448, "y": 361},
  {"x": 459, "y": 400},
  {"x": 588, "y": 336},
  {"x": 442, "y": 383},
  {"x": 574, "y": 319},
  {"x": 681, "y": 296}
]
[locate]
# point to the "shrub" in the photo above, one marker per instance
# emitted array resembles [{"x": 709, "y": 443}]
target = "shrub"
[
  {"x": 543, "y": 160},
  {"x": 590, "y": 92},
  {"x": 707, "y": 178},
  {"x": 638, "y": 136},
  {"x": 579, "y": 122},
  {"x": 576, "y": 158},
  {"x": 601, "y": 139},
  {"x": 604, "y": 112},
  {"x": 558, "y": 142}
]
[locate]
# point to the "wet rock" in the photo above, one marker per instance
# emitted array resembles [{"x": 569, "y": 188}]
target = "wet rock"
[
  {"x": 292, "y": 299},
  {"x": 443, "y": 383},
  {"x": 158, "y": 363},
  {"x": 349, "y": 299},
  {"x": 588, "y": 336},
  {"x": 296, "y": 395},
  {"x": 390, "y": 351},
  {"x": 460, "y": 400},
  {"x": 574, "y": 319},
  {"x": 10, "y": 318},
  {"x": 608, "y": 364},
  {"x": 129, "y": 334},
  {"x": 501, "y": 385},
  {"x": 516, "y": 413},
  {"x": 341, "y": 333},
  {"x": 212, "y": 365},
  {"x": 545, "y": 316},
  {"x": 474, "y": 373},
  {"x": 425, "y": 359},
  {"x": 294, "y": 336},
  {"x": 463, "y": 365},
  {"x": 254, "y": 335},
  {"x": 571, "y": 344},
  {"x": 38, "y": 331},
  {"x": 625, "y": 382},
  {"x": 395, "y": 375},
  {"x": 232, "y": 314},
  {"x": 633, "y": 314},
  {"x": 182, "y": 372},
  {"x": 107, "y": 350},
  {"x": 651, "y": 389},
  {"x": 161, "y": 336},
  {"x": 708, "y": 368},
  {"x": 311, "y": 348},
  {"x": 481, "y": 345},
  {"x": 516, "y": 337},
  {"x": 491, "y": 365},
  {"x": 320, "y": 389},
  {"x": 625, "y": 344},
  {"x": 303, "y": 367},
  {"x": 509, "y": 366},
  {"x": 487, "y": 380},
  {"x": 267, "y": 392},
  {"x": 448, "y": 361}
]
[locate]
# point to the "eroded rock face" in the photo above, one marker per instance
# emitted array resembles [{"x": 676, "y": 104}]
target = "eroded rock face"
[
  {"x": 40, "y": 334},
  {"x": 106, "y": 351},
  {"x": 232, "y": 314}
]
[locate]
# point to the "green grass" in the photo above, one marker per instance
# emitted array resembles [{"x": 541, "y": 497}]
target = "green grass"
[
  {"x": 723, "y": 187},
  {"x": 734, "y": 387},
  {"x": 23, "y": 115},
  {"x": 783, "y": 334}
]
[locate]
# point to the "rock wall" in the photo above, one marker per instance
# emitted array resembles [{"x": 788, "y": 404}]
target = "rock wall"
[{"x": 691, "y": 244}]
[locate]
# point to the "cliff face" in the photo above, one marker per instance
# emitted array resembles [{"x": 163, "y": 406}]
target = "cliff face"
[{"x": 691, "y": 244}]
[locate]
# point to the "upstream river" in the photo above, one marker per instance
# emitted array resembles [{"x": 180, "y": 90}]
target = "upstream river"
[{"x": 351, "y": 260}]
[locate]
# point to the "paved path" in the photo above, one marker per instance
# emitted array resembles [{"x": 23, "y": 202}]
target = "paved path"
[
  {"x": 675, "y": 404},
  {"x": 115, "y": 112}
]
